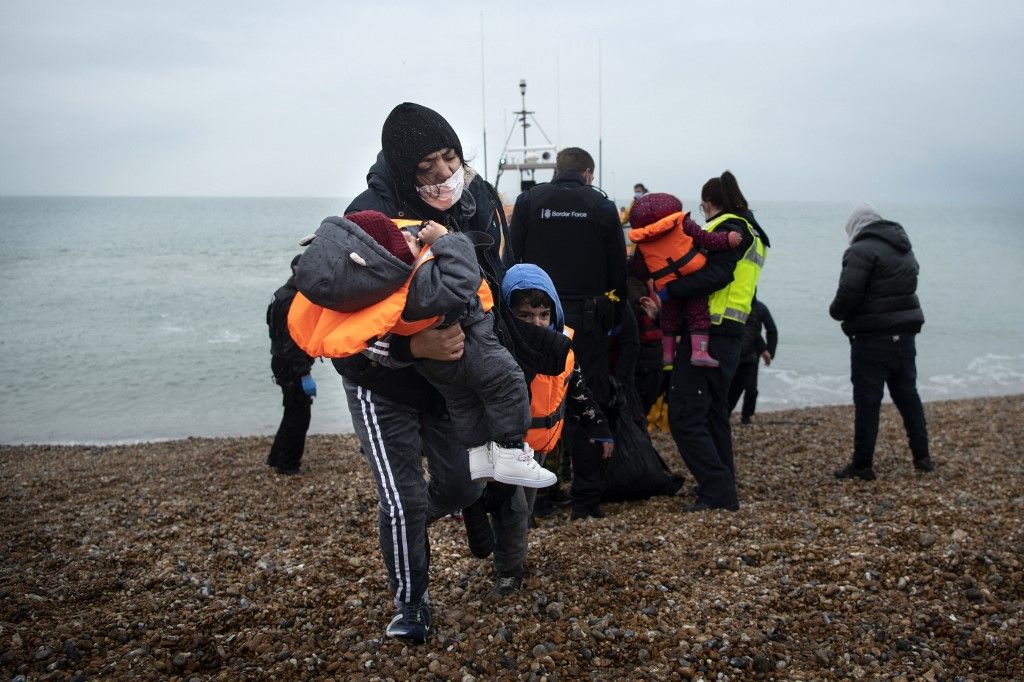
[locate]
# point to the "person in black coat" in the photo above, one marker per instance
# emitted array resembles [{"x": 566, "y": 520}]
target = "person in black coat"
[
  {"x": 572, "y": 231},
  {"x": 290, "y": 366},
  {"x": 754, "y": 349},
  {"x": 877, "y": 304}
]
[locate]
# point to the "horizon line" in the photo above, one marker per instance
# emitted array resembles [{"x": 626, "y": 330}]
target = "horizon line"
[{"x": 944, "y": 202}]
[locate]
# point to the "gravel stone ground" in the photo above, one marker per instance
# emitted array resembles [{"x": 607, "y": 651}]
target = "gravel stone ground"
[{"x": 191, "y": 560}]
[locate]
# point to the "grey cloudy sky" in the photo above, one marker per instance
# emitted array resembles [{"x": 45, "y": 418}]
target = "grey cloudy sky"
[{"x": 887, "y": 101}]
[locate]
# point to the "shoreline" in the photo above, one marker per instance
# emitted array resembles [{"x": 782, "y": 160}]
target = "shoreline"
[
  {"x": 122, "y": 442},
  {"x": 189, "y": 557}
]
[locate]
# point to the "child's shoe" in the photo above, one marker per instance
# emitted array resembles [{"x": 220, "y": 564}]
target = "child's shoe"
[
  {"x": 699, "y": 356},
  {"x": 516, "y": 466},
  {"x": 668, "y": 349},
  {"x": 481, "y": 462}
]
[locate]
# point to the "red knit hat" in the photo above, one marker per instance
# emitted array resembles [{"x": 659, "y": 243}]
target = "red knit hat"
[
  {"x": 650, "y": 208},
  {"x": 384, "y": 231}
]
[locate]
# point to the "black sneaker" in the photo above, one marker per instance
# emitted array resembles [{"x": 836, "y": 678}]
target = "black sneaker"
[
  {"x": 412, "y": 622},
  {"x": 478, "y": 530},
  {"x": 924, "y": 464},
  {"x": 289, "y": 471},
  {"x": 744, "y": 419},
  {"x": 508, "y": 584},
  {"x": 850, "y": 471}
]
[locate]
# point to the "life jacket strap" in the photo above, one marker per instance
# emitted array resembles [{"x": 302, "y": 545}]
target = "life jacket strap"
[
  {"x": 550, "y": 420},
  {"x": 676, "y": 265}
]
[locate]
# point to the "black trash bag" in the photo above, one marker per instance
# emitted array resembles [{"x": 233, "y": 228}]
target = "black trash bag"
[{"x": 636, "y": 471}]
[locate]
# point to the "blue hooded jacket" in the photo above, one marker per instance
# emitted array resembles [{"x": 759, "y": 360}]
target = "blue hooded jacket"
[{"x": 529, "y": 276}]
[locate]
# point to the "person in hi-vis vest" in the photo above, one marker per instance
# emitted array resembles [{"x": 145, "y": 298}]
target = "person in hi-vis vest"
[{"x": 698, "y": 397}]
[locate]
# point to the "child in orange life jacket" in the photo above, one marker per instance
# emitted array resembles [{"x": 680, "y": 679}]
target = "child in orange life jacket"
[
  {"x": 365, "y": 263},
  {"x": 531, "y": 295},
  {"x": 671, "y": 244}
]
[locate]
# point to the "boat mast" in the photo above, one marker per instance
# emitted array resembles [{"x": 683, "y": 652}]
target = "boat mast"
[
  {"x": 600, "y": 99},
  {"x": 483, "y": 94},
  {"x": 526, "y": 159}
]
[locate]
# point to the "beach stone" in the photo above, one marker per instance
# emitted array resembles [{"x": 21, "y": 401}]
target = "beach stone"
[{"x": 162, "y": 529}]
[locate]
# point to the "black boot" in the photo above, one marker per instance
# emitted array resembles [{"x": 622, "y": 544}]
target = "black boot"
[{"x": 850, "y": 471}]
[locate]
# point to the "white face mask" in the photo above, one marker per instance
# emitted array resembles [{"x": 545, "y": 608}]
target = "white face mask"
[{"x": 443, "y": 196}]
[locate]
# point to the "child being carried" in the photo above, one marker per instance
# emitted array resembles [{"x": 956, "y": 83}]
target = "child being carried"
[
  {"x": 366, "y": 277},
  {"x": 671, "y": 245}
]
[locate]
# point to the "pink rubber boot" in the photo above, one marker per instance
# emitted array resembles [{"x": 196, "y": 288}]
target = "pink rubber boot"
[
  {"x": 668, "y": 349},
  {"x": 699, "y": 356}
]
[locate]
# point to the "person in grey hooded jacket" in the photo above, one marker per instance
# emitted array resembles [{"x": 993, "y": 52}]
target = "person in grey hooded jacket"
[{"x": 877, "y": 304}]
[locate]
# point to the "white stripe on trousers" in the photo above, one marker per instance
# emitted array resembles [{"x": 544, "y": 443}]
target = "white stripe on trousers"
[{"x": 387, "y": 478}]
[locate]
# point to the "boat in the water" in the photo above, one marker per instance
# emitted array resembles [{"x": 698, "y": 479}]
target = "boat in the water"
[{"x": 526, "y": 158}]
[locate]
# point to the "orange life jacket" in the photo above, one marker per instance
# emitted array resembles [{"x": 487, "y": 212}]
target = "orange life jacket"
[
  {"x": 547, "y": 405},
  {"x": 668, "y": 251},
  {"x": 322, "y": 332}
]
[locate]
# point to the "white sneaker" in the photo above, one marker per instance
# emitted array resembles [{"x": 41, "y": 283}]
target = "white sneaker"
[
  {"x": 481, "y": 462},
  {"x": 516, "y": 466}
]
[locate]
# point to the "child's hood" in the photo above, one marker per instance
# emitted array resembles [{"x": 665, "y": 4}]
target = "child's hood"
[
  {"x": 345, "y": 269},
  {"x": 529, "y": 276}
]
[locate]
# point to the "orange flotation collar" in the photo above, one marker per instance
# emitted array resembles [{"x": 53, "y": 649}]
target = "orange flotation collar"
[
  {"x": 668, "y": 251},
  {"x": 322, "y": 332},
  {"x": 547, "y": 405}
]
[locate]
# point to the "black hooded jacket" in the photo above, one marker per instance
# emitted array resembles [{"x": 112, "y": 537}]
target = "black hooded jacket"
[
  {"x": 288, "y": 362},
  {"x": 878, "y": 285}
]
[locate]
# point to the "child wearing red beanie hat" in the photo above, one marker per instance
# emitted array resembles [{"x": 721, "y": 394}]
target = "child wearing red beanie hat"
[{"x": 670, "y": 243}]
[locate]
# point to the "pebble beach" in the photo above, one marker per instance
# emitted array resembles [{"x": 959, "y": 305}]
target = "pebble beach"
[{"x": 192, "y": 560}]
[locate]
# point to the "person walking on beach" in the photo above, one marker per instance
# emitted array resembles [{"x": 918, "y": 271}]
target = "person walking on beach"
[
  {"x": 399, "y": 418},
  {"x": 880, "y": 313},
  {"x": 755, "y": 349},
  {"x": 290, "y": 366},
  {"x": 572, "y": 232},
  {"x": 698, "y": 397}
]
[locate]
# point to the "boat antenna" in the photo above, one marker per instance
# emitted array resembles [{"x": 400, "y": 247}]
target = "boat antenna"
[
  {"x": 483, "y": 95},
  {"x": 600, "y": 99}
]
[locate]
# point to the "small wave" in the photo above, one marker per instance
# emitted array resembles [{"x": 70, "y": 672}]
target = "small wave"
[
  {"x": 226, "y": 337},
  {"x": 173, "y": 329}
]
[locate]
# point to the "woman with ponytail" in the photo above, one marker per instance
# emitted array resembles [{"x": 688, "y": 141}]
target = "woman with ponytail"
[{"x": 698, "y": 397}]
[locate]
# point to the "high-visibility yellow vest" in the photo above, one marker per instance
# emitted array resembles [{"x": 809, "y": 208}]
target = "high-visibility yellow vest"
[{"x": 732, "y": 302}]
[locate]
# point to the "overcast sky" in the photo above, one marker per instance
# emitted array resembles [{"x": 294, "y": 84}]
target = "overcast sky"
[{"x": 884, "y": 101}]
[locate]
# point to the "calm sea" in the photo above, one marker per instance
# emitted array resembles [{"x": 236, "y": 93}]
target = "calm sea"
[{"x": 129, "y": 319}]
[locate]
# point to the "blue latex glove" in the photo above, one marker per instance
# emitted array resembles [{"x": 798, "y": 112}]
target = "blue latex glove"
[
  {"x": 309, "y": 385},
  {"x": 663, "y": 294}
]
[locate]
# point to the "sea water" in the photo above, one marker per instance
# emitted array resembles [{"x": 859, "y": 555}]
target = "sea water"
[{"x": 126, "y": 319}]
